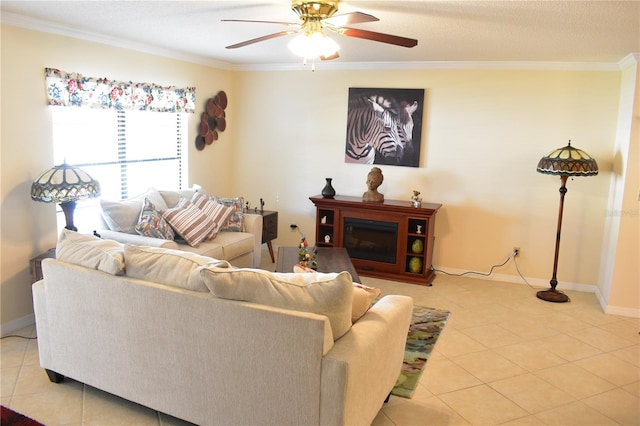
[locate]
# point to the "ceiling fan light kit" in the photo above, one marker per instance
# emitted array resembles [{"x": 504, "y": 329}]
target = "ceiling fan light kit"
[
  {"x": 313, "y": 44},
  {"x": 317, "y": 16}
]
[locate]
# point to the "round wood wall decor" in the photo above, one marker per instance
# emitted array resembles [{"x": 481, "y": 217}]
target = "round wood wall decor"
[{"x": 212, "y": 121}]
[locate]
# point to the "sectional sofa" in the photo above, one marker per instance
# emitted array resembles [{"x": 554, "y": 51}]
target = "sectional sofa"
[
  {"x": 238, "y": 238},
  {"x": 201, "y": 340}
]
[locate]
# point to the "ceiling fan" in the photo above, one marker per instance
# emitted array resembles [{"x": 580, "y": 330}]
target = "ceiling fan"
[{"x": 317, "y": 16}]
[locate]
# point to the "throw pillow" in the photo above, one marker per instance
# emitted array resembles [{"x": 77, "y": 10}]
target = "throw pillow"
[
  {"x": 189, "y": 222},
  {"x": 236, "y": 220},
  {"x": 91, "y": 252},
  {"x": 122, "y": 216},
  {"x": 363, "y": 297},
  {"x": 175, "y": 268},
  {"x": 171, "y": 197},
  {"x": 324, "y": 294},
  {"x": 152, "y": 224},
  {"x": 218, "y": 213}
]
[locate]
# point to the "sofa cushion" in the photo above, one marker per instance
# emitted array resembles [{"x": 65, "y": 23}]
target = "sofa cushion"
[
  {"x": 189, "y": 222},
  {"x": 152, "y": 224},
  {"x": 235, "y": 223},
  {"x": 218, "y": 213},
  {"x": 209, "y": 248},
  {"x": 235, "y": 244},
  {"x": 324, "y": 294},
  {"x": 175, "y": 268},
  {"x": 122, "y": 216},
  {"x": 90, "y": 252},
  {"x": 171, "y": 198}
]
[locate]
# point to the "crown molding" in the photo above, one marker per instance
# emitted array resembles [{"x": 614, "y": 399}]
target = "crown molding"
[
  {"x": 442, "y": 65},
  {"x": 22, "y": 21},
  {"x": 630, "y": 60},
  {"x": 48, "y": 27}
]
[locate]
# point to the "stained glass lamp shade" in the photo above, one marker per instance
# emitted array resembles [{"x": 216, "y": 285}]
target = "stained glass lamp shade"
[
  {"x": 564, "y": 162},
  {"x": 65, "y": 184}
]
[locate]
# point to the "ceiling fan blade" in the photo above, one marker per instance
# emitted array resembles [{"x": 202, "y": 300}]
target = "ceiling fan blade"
[
  {"x": 383, "y": 38},
  {"x": 260, "y": 22},
  {"x": 259, "y": 39},
  {"x": 329, "y": 58},
  {"x": 350, "y": 19}
]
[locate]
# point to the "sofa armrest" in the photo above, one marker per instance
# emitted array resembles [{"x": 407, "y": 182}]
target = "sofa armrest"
[
  {"x": 362, "y": 367},
  {"x": 253, "y": 225},
  {"x": 135, "y": 239}
]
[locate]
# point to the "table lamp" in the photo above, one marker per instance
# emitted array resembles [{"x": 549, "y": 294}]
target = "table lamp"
[{"x": 65, "y": 184}]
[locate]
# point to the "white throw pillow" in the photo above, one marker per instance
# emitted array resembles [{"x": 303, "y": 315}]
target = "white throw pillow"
[
  {"x": 122, "y": 216},
  {"x": 325, "y": 294},
  {"x": 90, "y": 252},
  {"x": 363, "y": 296},
  {"x": 166, "y": 266}
]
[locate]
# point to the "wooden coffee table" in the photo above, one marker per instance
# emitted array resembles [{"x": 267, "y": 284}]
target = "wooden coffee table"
[{"x": 330, "y": 259}]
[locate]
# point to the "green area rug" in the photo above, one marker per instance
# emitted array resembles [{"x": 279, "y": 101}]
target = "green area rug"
[{"x": 424, "y": 330}]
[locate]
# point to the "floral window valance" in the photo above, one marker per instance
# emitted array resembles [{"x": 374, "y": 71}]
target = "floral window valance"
[{"x": 73, "y": 89}]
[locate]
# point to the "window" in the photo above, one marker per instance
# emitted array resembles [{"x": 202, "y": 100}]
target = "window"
[{"x": 126, "y": 151}]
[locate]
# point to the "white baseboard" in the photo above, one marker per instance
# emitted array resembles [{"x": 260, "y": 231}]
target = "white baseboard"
[
  {"x": 18, "y": 324},
  {"x": 534, "y": 282},
  {"x": 542, "y": 284},
  {"x": 616, "y": 310},
  {"x": 623, "y": 312}
]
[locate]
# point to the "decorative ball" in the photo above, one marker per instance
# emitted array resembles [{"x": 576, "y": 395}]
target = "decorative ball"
[
  {"x": 415, "y": 265},
  {"x": 417, "y": 246}
]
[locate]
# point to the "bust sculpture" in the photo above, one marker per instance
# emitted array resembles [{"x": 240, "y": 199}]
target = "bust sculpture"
[{"x": 374, "y": 180}]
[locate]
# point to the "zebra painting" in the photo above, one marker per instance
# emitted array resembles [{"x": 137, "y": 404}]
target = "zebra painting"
[{"x": 381, "y": 126}]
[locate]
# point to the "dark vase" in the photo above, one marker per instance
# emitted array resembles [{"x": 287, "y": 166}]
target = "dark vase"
[{"x": 328, "y": 191}]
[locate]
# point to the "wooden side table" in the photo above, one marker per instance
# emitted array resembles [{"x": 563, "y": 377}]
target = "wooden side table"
[
  {"x": 35, "y": 264},
  {"x": 269, "y": 229}
]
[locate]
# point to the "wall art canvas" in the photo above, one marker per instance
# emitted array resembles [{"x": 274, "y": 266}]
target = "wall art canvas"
[{"x": 384, "y": 126}]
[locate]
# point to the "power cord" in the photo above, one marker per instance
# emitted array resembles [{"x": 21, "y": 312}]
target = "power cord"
[
  {"x": 22, "y": 337},
  {"x": 512, "y": 255},
  {"x": 515, "y": 262}
]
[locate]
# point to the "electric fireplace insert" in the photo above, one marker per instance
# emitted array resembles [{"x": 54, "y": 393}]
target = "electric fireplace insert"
[{"x": 370, "y": 239}]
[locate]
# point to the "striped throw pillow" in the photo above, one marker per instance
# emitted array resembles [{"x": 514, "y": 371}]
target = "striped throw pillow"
[
  {"x": 218, "y": 213},
  {"x": 189, "y": 222}
]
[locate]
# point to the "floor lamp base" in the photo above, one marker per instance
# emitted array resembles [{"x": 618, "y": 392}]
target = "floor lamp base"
[{"x": 553, "y": 295}]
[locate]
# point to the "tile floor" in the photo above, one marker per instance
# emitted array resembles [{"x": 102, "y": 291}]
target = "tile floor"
[{"x": 504, "y": 358}]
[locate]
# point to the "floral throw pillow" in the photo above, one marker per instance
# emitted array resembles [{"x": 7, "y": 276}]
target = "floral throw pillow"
[
  {"x": 236, "y": 221},
  {"x": 152, "y": 224}
]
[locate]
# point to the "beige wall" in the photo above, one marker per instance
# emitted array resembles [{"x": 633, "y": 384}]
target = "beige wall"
[
  {"x": 483, "y": 133},
  {"x": 621, "y": 248},
  {"x": 29, "y": 228}
]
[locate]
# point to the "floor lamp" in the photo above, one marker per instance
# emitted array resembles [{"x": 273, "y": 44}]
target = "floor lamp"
[
  {"x": 564, "y": 162},
  {"x": 65, "y": 184}
]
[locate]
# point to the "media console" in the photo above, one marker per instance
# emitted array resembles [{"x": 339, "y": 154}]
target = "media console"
[{"x": 391, "y": 240}]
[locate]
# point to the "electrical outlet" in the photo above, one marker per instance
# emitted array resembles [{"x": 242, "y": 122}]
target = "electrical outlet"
[
  {"x": 293, "y": 226},
  {"x": 516, "y": 251}
]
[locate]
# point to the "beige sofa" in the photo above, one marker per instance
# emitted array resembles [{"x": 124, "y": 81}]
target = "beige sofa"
[
  {"x": 242, "y": 249},
  {"x": 210, "y": 353}
]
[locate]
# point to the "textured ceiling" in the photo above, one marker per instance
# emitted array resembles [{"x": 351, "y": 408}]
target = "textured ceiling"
[{"x": 452, "y": 31}]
